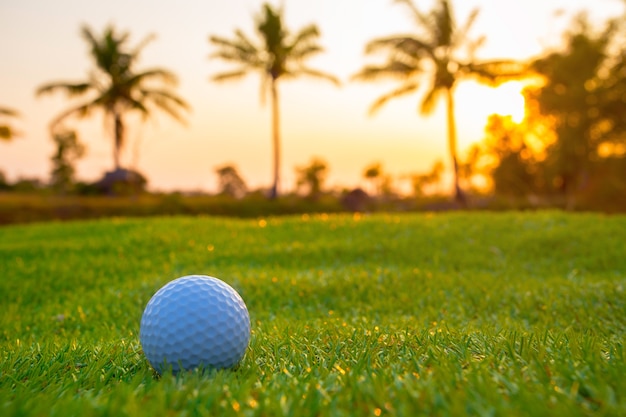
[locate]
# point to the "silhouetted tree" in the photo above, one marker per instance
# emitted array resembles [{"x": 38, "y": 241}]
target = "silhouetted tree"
[
  {"x": 373, "y": 173},
  {"x": 230, "y": 182},
  {"x": 6, "y": 131},
  {"x": 612, "y": 102},
  {"x": 582, "y": 101},
  {"x": 435, "y": 52},
  {"x": 381, "y": 182},
  {"x": 513, "y": 161},
  {"x": 470, "y": 167},
  {"x": 386, "y": 185},
  {"x": 4, "y": 183},
  {"x": 279, "y": 54},
  {"x": 420, "y": 182},
  {"x": 68, "y": 151},
  {"x": 115, "y": 88},
  {"x": 312, "y": 176}
]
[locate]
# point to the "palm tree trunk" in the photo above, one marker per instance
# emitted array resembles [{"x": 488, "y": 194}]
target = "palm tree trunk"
[
  {"x": 275, "y": 139},
  {"x": 118, "y": 126},
  {"x": 459, "y": 195}
]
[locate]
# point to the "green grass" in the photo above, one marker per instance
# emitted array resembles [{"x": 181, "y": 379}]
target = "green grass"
[{"x": 510, "y": 314}]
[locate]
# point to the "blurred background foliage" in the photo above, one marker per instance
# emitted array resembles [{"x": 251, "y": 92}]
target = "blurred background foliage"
[{"x": 568, "y": 152}]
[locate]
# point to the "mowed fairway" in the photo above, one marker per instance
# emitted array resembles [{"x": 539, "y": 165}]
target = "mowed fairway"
[{"x": 510, "y": 314}]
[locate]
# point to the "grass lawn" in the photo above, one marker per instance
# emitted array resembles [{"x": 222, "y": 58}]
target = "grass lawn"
[{"x": 509, "y": 314}]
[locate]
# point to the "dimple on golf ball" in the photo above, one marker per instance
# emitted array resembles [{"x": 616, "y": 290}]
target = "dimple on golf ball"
[{"x": 195, "y": 321}]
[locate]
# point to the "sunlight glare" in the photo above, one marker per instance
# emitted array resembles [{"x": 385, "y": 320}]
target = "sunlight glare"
[
  {"x": 478, "y": 102},
  {"x": 509, "y": 100}
]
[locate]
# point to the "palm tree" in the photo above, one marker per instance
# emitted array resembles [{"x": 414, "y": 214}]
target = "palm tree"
[
  {"x": 435, "y": 52},
  {"x": 115, "y": 88},
  {"x": 6, "y": 131},
  {"x": 279, "y": 54}
]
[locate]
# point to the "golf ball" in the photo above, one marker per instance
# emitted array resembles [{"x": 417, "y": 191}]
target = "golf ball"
[{"x": 195, "y": 321}]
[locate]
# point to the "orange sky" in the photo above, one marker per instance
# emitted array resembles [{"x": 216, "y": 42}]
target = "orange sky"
[{"x": 40, "y": 42}]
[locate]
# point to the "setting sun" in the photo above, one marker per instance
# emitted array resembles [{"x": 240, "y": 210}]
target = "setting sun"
[
  {"x": 509, "y": 101},
  {"x": 479, "y": 101}
]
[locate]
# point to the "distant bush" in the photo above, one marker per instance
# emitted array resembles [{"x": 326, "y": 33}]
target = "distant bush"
[{"x": 122, "y": 182}]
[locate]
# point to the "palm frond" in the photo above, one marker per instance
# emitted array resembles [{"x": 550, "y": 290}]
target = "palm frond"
[
  {"x": 249, "y": 61},
  {"x": 168, "y": 102},
  {"x": 462, "y": 33},
  {"x": 88, "y": 35},
  {"x": 306, "y": 36},
  {"x": 5, "y": 111},
  {"x": 430, "y": 99},
  {"x": 303, "y": 44},
  {"x": 138, "y": 104},
  {"x": 240, "y": 43},
  {"x": 70, "y": 89},
  {"x": 155, "y": 74},
  {"x": 443, "y": 25},
  {"x": 494, "y": 73},
  {"x": 302, "y": 52},
  {"x": 313, "y": 73},
  {"x": 238, "y": 50},
  {"x": 406, "y": 49},
  {"x": 223, "y": 42},
  {"x": 403, "y": 90},
  {"x": 166, "y": 95},
  {"x": 80, "y": 111},
  {"x": 231, "y": 75},
  {"x": 393, "y": 69}
]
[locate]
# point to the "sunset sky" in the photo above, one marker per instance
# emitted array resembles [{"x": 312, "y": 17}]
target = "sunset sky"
[{"x": 40, "y": 42}]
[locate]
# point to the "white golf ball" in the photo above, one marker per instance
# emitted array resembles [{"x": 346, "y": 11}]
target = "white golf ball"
[{"x": 195, "y": 321}]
